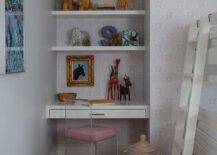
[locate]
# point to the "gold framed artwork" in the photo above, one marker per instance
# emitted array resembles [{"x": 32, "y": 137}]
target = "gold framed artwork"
[{"x": 80, "y": 70}]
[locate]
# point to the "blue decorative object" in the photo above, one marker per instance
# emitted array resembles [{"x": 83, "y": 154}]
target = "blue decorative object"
[
  {"x": 107, "y": 33},
  {"x": 14, "y": 36},
  {"x": 130, "y": 38}
]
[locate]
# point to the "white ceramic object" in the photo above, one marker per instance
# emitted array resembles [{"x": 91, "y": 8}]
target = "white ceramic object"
[
  {"x": 76, "y": 37},
  {"x": 142, "y": 147}
]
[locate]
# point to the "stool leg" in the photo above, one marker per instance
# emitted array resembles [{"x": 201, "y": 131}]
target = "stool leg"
[
  {"x": 95, "y": 148},
  {"x": 92, "y": 148},
  {"x": 65, "y": 146},
  {"x": 116, "y": 137}
]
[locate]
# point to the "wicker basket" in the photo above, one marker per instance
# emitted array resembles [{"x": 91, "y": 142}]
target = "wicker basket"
[
  {"x": 142, "y": 147},
  {"x": 67, "y": 98}
]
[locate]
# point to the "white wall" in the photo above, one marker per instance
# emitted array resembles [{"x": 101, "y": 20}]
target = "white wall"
[
  {"x": 169, "y": 30},
  {"x": 23, "y": 127}
]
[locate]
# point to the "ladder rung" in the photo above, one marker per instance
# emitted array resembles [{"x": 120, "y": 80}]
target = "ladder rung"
[
  {"x": 191, "y": 77},
  {"x": 193, "y": 33},
  {"x": 183, "y": 107},
  {"x": 213, "y": 19},
  {"x": 212, "y": 56}
]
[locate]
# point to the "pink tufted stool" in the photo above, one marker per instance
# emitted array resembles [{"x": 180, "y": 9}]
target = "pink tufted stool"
[{"x": 92, "y": 134}]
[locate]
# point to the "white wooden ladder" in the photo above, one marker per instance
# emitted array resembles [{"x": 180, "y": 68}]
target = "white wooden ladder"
[{"x": 197, "y": 56}]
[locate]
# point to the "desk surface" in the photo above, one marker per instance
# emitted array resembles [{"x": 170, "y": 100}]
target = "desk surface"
[{"x": 123, "y": 110}]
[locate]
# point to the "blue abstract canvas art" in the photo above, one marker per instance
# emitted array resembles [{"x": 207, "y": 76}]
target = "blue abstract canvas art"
[
  {"x": 14, "y": 29},
  {"x": 14, "y": 5},
  {"x": 14, "y": 36},
  {"x": 14, "y": 63}
]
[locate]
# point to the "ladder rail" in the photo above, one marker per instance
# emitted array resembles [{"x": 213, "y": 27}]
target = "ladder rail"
[
  {"x": 185, "y": 88},
  {"x": 191, "y": 124},
  {"x": 191, "y": 88}
]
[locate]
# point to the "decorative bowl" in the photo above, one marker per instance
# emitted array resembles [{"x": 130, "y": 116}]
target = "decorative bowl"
[{"x": 67, "y": 98}]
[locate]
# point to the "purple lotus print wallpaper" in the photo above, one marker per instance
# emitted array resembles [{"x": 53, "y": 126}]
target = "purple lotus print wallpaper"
[{"x": 14, "y": 36}]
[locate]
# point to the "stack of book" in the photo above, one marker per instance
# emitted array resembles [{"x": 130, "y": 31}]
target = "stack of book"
[{"x": 101, "y": 102}]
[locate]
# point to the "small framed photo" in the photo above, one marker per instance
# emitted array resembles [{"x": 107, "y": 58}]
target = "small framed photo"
[{"x": 80, "y": 70}]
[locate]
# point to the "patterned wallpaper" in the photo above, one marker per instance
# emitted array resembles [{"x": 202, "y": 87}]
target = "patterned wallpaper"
[{"x": 169, "y": 21}]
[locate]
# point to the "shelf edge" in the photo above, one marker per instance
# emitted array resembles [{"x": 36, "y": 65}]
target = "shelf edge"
[
  {"x": 98, "y": 48},
  {"x": 99, "y": 13}
]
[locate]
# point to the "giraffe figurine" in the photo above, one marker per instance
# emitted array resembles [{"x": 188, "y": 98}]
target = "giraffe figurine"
[{"x": 113, "y": 84}]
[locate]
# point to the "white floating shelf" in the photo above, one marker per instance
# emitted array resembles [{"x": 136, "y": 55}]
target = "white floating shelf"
[
  {"x": 113, "y": 13},
  {"x": 98, "y": 48}
]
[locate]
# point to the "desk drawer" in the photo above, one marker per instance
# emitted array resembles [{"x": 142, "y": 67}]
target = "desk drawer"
[
  {"x": 98, "y": 113},
  {"x": 105, "y": 114},
  {"x": 119, "y": 114},
  {"x": 78, "y": 114}
]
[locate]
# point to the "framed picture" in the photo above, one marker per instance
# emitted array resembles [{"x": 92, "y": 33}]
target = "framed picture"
[
  {"x": 80, "y": 70},
  {"x": 14, "y": 36}
]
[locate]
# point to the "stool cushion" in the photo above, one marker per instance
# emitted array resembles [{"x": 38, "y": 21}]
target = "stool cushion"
[{"x": 94, "y": 134}]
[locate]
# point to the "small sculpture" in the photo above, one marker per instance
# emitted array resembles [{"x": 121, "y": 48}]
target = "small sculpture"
[
  {"x": 85, "y": 38},
  {"x": 76, "y": 37},
  {"x": 122, "y": 4},
  {"x": 130, "y": 38},
  {"x": 85, "y": 4},
  {"x": 115, "y": 40},
  {"x": 113, "y": 84},
  {"x": 125, "y": 89},
  {"x": 111, "y": 36},
  {"x": 67, "y": 5}
]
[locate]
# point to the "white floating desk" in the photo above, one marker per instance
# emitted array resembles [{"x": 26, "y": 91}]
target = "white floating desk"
[{"x": 118, "y": 111}]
